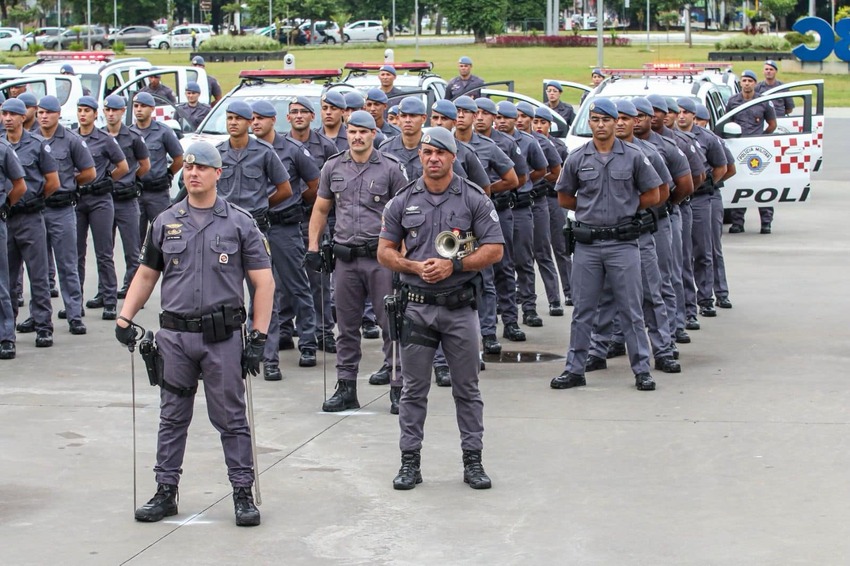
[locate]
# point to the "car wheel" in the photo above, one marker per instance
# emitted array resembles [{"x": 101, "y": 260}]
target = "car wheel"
[
  {"x": 97, "y": 46},
  {"x": 331, "y": 41},
  {"x": 345, "y": 38},
  {"x": 381, "y": 38},
  {"x": 163, "y": 45},
  {"x": 16, "y": 48}
]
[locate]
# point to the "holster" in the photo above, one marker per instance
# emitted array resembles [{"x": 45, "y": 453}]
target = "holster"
[
  {"x": 219, "y": 324},
  {"x": 156, "y": 185},
  {"x": 155, "y": 368},
  {"x": 350, "y": 253},
  {"x": 503, "y": 200},
  {"x": 707, "y": 187},
  {"x": 523, "y": 200},
  {"x": 328, "y": 259},
  {"x": 261, "y": 217},
  {"x": 395, "y": 314},
  {"x": 647, "y": 220},
  {"x": 569, "y": 236},
  {"x": 412, "y": 333},
  {"x": 4, "y": 211},
  {"x": 128, "y": 192},
  {"x": 27, "y": 207},
  {"x": 102, "y": 187},
  {"x": 291, "y": 215},
  {"x": 582, "y": 234}
]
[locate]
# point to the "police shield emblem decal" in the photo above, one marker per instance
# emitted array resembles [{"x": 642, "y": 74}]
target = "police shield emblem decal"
[{"x": 223, "y": 258}]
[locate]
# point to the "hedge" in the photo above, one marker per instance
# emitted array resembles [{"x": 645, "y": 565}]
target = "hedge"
[{"x": 553, "y": 41}]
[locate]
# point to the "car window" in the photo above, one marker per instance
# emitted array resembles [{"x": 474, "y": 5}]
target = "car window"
[
  {"x": 4, "y": 34},
  {"x": 63, "y": 90}
]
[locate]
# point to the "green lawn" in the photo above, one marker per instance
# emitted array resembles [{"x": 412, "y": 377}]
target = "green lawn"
[{"x": 526, "y": 66}]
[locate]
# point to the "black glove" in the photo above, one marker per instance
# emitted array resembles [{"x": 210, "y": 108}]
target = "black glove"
[
  {"x": 313, "y": 260},
  {"x": 253, "y": 353},
  {"x": 126, "y": 336}
]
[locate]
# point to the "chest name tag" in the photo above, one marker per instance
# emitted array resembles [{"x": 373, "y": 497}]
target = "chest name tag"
[{"x": 223, "y": 258}]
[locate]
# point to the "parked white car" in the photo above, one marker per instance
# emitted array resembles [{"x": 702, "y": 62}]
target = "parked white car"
[
  {"x": 12, "y": 41},
  {"x": 181, "y": 37},
  {"x": 364, "y": 30}
]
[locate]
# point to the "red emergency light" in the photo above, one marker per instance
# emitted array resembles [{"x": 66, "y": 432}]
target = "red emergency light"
[
  {"x": 290, "y": 74},
  {"x": 718, "y": 65},
  {"x": 75, "y": 55},
  {"x": 423, "y": 66},
  {"x": 652, "y": 72}
]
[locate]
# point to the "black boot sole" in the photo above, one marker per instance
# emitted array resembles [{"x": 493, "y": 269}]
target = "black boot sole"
[
  {"x": 155, "y": 519},
  {"x": 327, "y": 409}
]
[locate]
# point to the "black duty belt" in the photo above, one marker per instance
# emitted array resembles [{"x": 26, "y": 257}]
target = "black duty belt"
[
  {"x": 102, "y": 187},
  {"x": 261, "y": 217},
  {"x": 350, "y": 253},
  {"x": 156, "y": 185},
  {"x": 455, "y": 298},
  {"x": 291, "y": 215},
  {"x": 127, "y": 192},
  {"x": 707, "y": 187},
  {"x": 663, "y": 211},
  {"x": 31, "y": 206},
  {"x": 542, "y": 190},
  {"x": 216, "y": 326},
  {"x": 504, "y": 200},
  {"x": 61, "y": 199},
  {"x": 523, "y": 200},
  {"x": 587, "y": 234}
]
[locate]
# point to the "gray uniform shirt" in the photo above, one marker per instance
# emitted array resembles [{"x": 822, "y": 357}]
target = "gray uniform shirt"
[
  {"x": 533, "y": 156},
  {"x": 36, "y": 160},
  {"x": 161, "y": 91},
  {"x": 495, "y": 162},
  {"x": 134, "y": 148},
  {"x": 299, "y": 165},
  {"x": 359, "y": 192},
  {"x": 250, "y": 175},
  {"x": 553, "y": 159},
  {"x": 782, "y": 106},
  {"x": 161, "y": 142},
  {"x": 194, "y": 114},
  {"x": 341, "y": 139},
  {"x": 72, "y": 156},
  {"x": 415, "y": 216},
  {"x": 565, "y": 111},
  {"x": 104, "y": 150},
  {"x": 471, "y": 165},
  {"x": 752, "y": 120},
  {"x": 389, "y": 130},
  {"x": 711, "y": 147},
  {"x": 458, "y": 86},
  {"x": 607, "y": 187},
  {"x": 203, "y": 266},
  {"x": 10, "y": 170},
  {"x": 319, "y": 146},
  {"x": 689, "y": 145},
  {"x": 508, "y": 145}
]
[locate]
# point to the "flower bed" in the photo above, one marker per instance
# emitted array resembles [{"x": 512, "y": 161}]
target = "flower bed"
[{"x": 553, "y": 41}]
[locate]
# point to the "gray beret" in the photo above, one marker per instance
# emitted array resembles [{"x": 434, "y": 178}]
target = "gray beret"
[
  {"x": 67, "y": 69},
  {"x": 658, "y": 102},
  {"x": 197, "y": 60},
  {"x": 50, "y": 103},
  {"x": 687, "y": 104},
  {"x": 334, "y": 98},
  {"x": 555, "y": 84},
  {"x": 672, "y": 105},
  {"x": 440, "y": 138},
  {"x": 362, "y": 119},
  {"x": 114, "y": 102},
  {"x": 14, "y": 106},
  {"x": 596, "y": 71},
  {"x": 702, "y": 112},
  {"x": 145, "y": 98},
  {"x": 543, "y": 113},
  {"x": 643, "y": 105},
  {"x": 412, "y": 105},
  {"x": 486, "y": 105},
  {"x": 604, "y": 106},
  {"x": 507, "y": 109},
  {"x": 192, "y": 86},
  {"x": 626, "y": 107},
  {"x": 305, "y": 102},
  {"x": 465, "y": 60},
  {"x": 353, "y": 99},
  {"x": 526, "y": 108},
  {"x": 466, "y": 103},
  {"x": 87, "y": 101},
  {"x": 771, "y": 63},
  {"x": 377, "y": 95},
  {"x": 446, "y": 108},
  {"x": 393, "y": 110},
  {"x": 241, "y": 109},
  {"x": 29, "y": 99},
  {"x": 749, "y": 75},
  {"x": 202, "y": 153},
  {"x": 388, "y": 68},
  {"x": 264, "y": 108}
]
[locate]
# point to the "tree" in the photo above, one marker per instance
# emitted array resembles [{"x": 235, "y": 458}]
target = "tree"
[
  {"x": 482, "y": 16},
  {"x": 779, "y": 8}
]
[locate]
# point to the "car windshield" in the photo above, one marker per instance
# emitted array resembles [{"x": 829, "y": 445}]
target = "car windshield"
[
  {"x": 216, "y": 122},
  {"x": 91, "y": 81},
  {"x": 581, "y": 127}
]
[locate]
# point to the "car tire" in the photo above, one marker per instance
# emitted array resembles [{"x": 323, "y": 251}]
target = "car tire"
[
  {"x": 345, "y": 38},
  {"x": 381, "y": 38},
  {"x": 16, "y": 48},
  {"x": 330, "y": 41},
  {"x": 163, "y": 45},
  {"x": 97, "y": 46}
]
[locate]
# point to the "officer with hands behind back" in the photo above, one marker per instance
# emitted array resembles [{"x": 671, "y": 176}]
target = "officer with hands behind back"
[
  {"x": 204, "y": 247},
  {"x": 438, "y": 296}
]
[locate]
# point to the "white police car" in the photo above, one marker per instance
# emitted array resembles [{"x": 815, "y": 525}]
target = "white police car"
[
  {"x": 411, "y": 78},
  {"x": 772, "y": 168}
]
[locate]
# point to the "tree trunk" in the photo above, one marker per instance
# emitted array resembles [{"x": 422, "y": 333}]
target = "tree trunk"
[
  {"x": 438, "y": 30},
  {"x": 480, "y": 36}
]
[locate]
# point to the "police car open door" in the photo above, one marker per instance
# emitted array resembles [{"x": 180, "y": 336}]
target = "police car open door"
[
  {"x": 772, "y": 169},
  {"x": 165, "y": 111},
  {"x": 66, "y": 88},
  {"x": 794, "y": 122}
]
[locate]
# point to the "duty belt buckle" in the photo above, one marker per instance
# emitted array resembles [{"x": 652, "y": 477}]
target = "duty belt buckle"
[{"x": 193, "y": 325}]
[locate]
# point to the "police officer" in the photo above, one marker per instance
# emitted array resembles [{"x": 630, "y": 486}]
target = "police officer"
[
  {"x": 95, "y": 207},
  {"x": 596, "y": 78},
  {"x": 392, "y": 115},
  {"x": 376, "y": 105},
  {"x": 12, "y": 188},
  {"x": 31, "y": 102},
  {"x": 782, "y": 106},
  {"x": 465, "y": 83},
  {"x": 556, "y": 105},
  {"x": 606, "y": 182},
  {"x": 353, "y": 101},
  {"x": 438, "y": 293},
  {"x": 204, "y": 248},
  {"x": 27, "y": 237},
  {"x": 386, "y": 76},
  {"x": 757, "y": 120},
  {"x": 444, "y": 114},
  {"x": 284, "y": 234},
  {"x": 358, "y": 183},
  {"x": 557, "y": 216},
  {"x": 126, "y": 191},
  {"x": 214, "y": 87},
  {"x": 76, "y": 167},
  {"x": 193, "y": 110},
  {"x": 162, "y": 143},
  {"x": 156, "y": 88},
  {"x": 333, "y": 123},
  {"x": 522, "y": 250},
  {"x": 300, "y": 115},
  {"x": 67, "y": 69}
]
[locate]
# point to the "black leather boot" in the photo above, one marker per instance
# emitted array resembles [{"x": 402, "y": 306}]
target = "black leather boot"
[
  {"x": 247, "y": 514},
  {"x": 162, "y": 504},
  {"x": 473, "y": 470},
  {"x": 344, "y": 398},
  {"x": 395, "y": 397},
  {"x": 409, "y": 474}
]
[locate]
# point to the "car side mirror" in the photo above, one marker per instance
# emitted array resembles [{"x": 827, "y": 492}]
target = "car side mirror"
[{"x": 732, "y": 130}]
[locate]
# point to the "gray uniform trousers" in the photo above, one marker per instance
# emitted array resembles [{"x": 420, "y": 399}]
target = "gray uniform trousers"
[
  {"x": 457, "y": 331},
  {"x": 487, "y": 302},
  {"x": 355, "y": 281},
  {"x": 26, "y": 244},
  {"x": 61, "y": 225},
  {"x": 127, "y": 222},
  {"x": 654, "y": 308},
  {"x": 151, "y": 203},
  {"x": 97, "y": 212},
  {"x": 543, "y": 251},
  {"x": 688, "y": 261},
  {"x": 287, "y": 247},
  {"x": 563, "y": 260},
  {"x": 664, "y": 250},
  {"x": 721, "y": 287},
  {"x": 503, "y": 271},
  {"x": 185, "y": 355},
  {"x": 7, "y": 315},
  {"x": 619, "y": 263},
  {"x": 678, "y": 262},
  {"x": 523, "y": 258},
  {"x": 702, "y": 250},
  {"x": 737, "y": 215}
]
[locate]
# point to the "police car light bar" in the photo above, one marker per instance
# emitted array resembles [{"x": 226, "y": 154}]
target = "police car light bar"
[
  {"x": 290, "y": 74},
  {"x": 652, "y": 72},
  {"x": 423, "y": 66},
  {"x": 718, "y": 65},
  {"x": 75, "y": 55}
]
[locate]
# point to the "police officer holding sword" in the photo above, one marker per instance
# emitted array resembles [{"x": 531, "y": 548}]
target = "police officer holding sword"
[{"x": 204, "y": 248}]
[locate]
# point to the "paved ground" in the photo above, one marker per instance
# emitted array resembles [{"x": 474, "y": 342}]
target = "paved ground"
[{"x": 741, "y": 459}]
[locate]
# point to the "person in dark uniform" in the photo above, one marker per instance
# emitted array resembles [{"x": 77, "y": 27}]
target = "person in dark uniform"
[
  {"x": 126, "y": 191},
  {"x": 67, "y": 69},
  {"x": 31, "y": 102},
  {"x": 284, "y": 234},
  {"x": 596, "y": 78},
  {"x": 193, "y": 110},
  {"x": 465, "y": 83},
  {"x": 333, "y": 123},
  {"x": 757, "y": 120},
  {"x": 95, "y": 207},
  {"x": 156, "y": 88},
  {"x": 392, "y": 115},
  {"x": 438, "y": 299},
  {"x": 12, "y": 188},
  {"x": 162, "y": 143},
  {"x": 204, "y": 248},
  {"x": 26, "y": 234},
  {"x": 782, "y": 106},
  {"x": 376, "y": 105},
  {"x": 76, "y": 167},
  {"x": 553, "y": 100},
  {"x": 606, "y": 182},
  {"x": 444, "y": 115},
  {"x": 214, "y": 87},
  {"x": 358, "y": 183},
  {"x": 353, "y": 101},
  {"x": 386, "y": 76}
]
